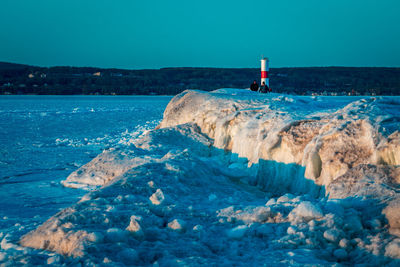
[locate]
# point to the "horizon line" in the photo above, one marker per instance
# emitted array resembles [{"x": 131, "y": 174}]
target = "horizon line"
[{"x": 193, "y": 67}]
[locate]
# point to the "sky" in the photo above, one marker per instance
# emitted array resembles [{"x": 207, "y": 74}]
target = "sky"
[{"x": 144, "y": 34}]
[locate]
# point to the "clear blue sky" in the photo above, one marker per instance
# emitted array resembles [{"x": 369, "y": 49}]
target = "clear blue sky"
[{"x": 137, "y": 34}]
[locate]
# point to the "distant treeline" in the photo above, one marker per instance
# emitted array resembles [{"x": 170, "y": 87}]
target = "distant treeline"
[{"x": 24, "y": 79}]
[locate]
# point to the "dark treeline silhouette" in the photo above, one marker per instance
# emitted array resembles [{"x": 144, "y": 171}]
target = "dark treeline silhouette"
[{"x": 24, "y": 79}]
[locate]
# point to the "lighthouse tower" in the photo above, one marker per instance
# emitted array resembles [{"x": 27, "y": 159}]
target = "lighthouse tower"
[{"x": 264, "y": 71}]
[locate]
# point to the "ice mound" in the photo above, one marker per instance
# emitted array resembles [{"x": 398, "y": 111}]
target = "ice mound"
[
  {"x": 116, "y": 161},
  {"x": 105, "y": 167},
  {"x": 233, "y": 177},
  {"x": 322, "y": 142},
  {"x": 299, "y": 146}
]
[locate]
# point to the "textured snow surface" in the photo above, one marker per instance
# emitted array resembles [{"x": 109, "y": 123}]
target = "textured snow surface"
[{"x": 233, "y": 177}]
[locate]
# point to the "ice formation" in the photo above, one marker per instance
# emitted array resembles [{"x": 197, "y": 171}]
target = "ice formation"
[{"x": 235, "y": 177}]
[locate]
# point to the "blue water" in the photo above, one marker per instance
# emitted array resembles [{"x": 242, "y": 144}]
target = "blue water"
[{"x": 45, "y": 138}]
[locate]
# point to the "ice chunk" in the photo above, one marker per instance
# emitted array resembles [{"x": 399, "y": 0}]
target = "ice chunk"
[
  {"x": 158, "y": 197},
  {"x": 178, "y": 225},
  {"x": 198, "y": 228},
  {"x": 307, "y": 211},
  {"x": 96, "y": 237},
  {"x": 291, "y": 230},
  {"x": 53, "y": 260},
  {"x": 393, "y": 249},
  {"x": 134, "y": 226},
  {"x": 332, "y": 235},
  {"x": 344, "y": 243},
  {"x": 5, "y": 244},
  {"x": 285, "y": 198},
  {"x": 392, "y": 213},
  {"x": 270, "y": 202},
  {"x": 248, "y": 214},
  {"x": 237, "y": 232}
]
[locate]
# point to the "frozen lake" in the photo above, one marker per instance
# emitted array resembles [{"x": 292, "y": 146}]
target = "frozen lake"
[
  {"x": 44, "y": 138},
  {"x": 230, "y": 177}
]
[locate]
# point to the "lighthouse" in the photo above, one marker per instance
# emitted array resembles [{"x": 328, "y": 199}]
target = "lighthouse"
[{"x": 264, "y": 71}]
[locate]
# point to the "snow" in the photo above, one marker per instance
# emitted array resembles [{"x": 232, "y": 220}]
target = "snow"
[{"x": 233, "y": 177}]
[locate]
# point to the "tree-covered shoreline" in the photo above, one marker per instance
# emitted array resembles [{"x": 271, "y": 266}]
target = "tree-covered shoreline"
[{"x": 25, "y": 79}]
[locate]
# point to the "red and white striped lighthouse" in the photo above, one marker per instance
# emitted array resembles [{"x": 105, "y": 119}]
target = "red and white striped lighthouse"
[{"x": 264, "y": 71}]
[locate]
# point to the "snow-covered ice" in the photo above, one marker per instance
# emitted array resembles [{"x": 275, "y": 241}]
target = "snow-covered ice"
[{"x": 233, "y": 177}]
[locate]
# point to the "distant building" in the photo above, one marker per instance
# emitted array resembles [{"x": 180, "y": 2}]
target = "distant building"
[
  {"x": 97, "y": 74},
  {"x": 31, "y": 75}
]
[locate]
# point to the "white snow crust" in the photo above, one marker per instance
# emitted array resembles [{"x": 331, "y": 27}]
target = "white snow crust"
[{"x": 232, "y": 177}]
